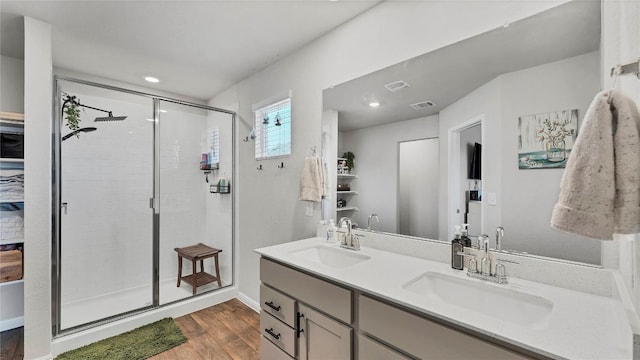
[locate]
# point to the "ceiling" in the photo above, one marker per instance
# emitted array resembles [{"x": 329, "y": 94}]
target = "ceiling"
[
  {"x": 445, "y": 75},
  {"x": 196, "y": 48}
]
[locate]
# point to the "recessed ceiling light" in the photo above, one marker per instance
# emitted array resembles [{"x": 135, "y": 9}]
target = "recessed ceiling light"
[
  {"x": 374, "y": 104},
  {"x": 152, "y": 79}
]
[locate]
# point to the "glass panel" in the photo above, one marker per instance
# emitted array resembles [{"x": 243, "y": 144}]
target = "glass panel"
[
  {"x": 195, "y": 202},
  {"x": 106, "y": 221}
]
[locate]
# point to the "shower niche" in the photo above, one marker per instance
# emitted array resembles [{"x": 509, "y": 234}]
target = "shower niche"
[{"x": 129, "y": 190}]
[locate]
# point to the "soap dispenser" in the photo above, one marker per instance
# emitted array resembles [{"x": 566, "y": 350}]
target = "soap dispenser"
[
  {"x": 457, "y": 248},
  {"x": 466, "y": 240}
]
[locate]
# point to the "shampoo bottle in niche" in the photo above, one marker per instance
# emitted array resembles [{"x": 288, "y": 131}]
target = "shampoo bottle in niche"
[
  {"x": 331, "y": 231},
  {"x": 457, "y": 247}
]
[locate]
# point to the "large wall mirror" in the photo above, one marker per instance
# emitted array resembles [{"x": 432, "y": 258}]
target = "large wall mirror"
[{"x": 414, "y": 140}]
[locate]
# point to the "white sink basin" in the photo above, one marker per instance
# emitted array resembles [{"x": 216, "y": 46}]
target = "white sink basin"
[
  {"x": 489, "y": 299},
  {"x": 330, "y": 256}
]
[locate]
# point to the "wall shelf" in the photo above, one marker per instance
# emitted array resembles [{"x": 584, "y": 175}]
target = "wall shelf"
[
  {"x": 347, "y": 208},
  {"x": 12, "y": 160},
  {"x": 347, "y": 176},
  {"x": 8, "y": 283},
  {"x": 347, "y": 192}
]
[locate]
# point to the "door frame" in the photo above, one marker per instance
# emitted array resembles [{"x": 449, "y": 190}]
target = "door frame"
[{"x": 454, "y": 176}]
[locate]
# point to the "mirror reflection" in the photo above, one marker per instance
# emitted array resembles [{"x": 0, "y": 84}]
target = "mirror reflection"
[{"x": 436, "y": 139}]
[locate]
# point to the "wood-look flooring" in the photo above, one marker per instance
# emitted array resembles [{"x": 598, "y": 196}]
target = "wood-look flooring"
[
  {"x": 227, "y": 331},
  {"x": 12, "y": 344}
]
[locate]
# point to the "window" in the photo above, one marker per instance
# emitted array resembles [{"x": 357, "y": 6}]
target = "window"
[{"x": 273, "y": 130}]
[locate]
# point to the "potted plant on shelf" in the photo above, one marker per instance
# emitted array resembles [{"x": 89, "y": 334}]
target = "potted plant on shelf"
[{"x": 350, "y": 157}]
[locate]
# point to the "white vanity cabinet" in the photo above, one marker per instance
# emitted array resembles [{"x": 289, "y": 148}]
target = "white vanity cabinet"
[
  {"x": 421, "y": 337},
  {"x": 303, "y": 317}
]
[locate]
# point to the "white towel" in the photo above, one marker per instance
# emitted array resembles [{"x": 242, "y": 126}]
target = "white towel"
[
  {"x": 600, "y": 188},
  {"x": 312, "y": 180}
]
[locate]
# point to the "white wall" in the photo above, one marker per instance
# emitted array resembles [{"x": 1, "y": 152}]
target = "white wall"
[
  {"x": 37, "y": 168},
  {"x": 376, "y": 164},
  {"x": 563, "y": 85},
  {"x": 11, "y": 84},
  {"x": 269, "y": 212}
]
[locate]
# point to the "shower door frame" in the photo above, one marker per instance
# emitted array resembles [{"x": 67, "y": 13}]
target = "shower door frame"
[{"x": 56, "y": 203}]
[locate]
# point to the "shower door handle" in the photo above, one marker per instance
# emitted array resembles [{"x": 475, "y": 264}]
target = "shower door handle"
[{"x": 64, "y": 207}]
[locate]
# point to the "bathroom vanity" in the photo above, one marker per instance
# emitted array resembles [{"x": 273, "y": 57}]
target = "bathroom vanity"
[{"x": 321, "y": 301}]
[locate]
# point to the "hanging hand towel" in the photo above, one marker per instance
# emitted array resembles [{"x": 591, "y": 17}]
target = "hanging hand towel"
[
  {"x": 600, "y": 188},
  {"x": 312, "y": 180}
]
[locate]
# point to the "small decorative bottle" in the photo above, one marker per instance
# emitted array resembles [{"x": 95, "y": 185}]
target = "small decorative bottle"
[{"x": 331, "y": 231}]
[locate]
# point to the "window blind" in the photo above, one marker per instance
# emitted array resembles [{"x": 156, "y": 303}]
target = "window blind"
[{"x": 273, "y": 130}]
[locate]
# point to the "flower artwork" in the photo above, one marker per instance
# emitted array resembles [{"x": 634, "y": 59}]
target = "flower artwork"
[{"x": 545, "y": 140}]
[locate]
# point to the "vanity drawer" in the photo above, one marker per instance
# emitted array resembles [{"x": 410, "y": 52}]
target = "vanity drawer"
[
  {"x": 268, "y": 351},
  {"x": 423, "y": 338},
  {"x": 278, "y": 305},
  {"x": 371, "y": 350},
  {"x": 324, "y": 296},
  {"x": 278, "y": 333}
]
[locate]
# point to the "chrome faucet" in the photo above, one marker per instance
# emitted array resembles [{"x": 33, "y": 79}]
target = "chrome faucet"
[
  {"x": 348, "y": 241},
  {"x": 372, "y": 216},
  {"x": 484, "y": 271},
  {"x": 499, "y": 237}
]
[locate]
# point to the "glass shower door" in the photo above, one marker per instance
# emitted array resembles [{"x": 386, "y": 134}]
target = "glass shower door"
[
  {"x": 196, "y": 151},
  {"x": 106, "y": 223}
]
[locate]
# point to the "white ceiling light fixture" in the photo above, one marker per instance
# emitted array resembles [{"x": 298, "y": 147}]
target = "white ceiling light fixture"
[
  {"x": 374, "y": 104},
  {"x": 423, "y": 105},
  {"x": 152, "y": 79},
  {"x": 397, "y": 85}
]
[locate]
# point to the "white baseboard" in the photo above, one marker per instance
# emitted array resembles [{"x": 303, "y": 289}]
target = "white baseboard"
[
  {"x": 254, "y": 305},
  {"x": 12, "y": 323},
  {"x": 46, "y": 357}
]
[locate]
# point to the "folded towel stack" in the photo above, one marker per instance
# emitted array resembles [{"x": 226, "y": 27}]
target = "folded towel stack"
[{"x": 11, "y": 187}]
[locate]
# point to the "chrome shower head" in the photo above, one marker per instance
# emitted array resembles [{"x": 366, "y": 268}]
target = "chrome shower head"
[
  {"x": 110, "y": 118},
  {"x": 75, "y": 132}
]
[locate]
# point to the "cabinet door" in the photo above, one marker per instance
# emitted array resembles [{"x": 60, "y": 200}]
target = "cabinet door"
[{"x": 321, "y": 337}]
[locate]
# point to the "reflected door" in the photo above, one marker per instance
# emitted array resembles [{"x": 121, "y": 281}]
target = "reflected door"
[{"x": 418, "y": 179}]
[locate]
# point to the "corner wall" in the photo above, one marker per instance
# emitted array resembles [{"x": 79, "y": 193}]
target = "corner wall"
[
  {"x": 621, "y": 44},
  {"x": 37, "y": 168}
]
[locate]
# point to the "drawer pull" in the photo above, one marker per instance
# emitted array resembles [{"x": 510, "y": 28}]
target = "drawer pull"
[
  {"x": 298, "y": 327},
  {"x": 270, "y": 304},
  {"x": 270, "y": 332}
]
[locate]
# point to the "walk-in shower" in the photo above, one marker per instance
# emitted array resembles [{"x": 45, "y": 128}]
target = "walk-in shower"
[{"x": 128, "y": 194}]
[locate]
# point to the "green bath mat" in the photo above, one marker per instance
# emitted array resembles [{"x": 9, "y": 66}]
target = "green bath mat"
[{"x": 140, "y": 343}]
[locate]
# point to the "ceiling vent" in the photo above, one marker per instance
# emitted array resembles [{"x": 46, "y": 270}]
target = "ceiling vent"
[
  {"x": 397, "y": 86},
  {"x": 422, "y": 105}
]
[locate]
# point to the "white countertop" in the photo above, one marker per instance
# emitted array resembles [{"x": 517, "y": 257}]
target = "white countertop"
[{"x": 581, "y": 325}]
